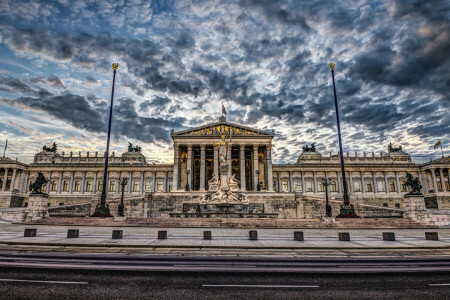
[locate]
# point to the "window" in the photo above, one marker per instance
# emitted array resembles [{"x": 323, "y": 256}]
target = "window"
[
  {"x": 285, "y": 186},
  {"x": 148, "y": 186},
  {"x": 61, "y": 203},
  {"x": 88, "y": 186},
  {"x": 321, "y": 187},
  {"x": 404, "y": 189},
  {"x": 380, "y": 186},
  {"x": 76, "y": 186},
  {"x": 65, "y": 186},
  {"x": 159, "y": 186},
  {"x": 391, "y": 186},
  {"x": 369, "y": 187},
  {"x": 385, "y": 205},
  {"x": 54, "y": 186},
  {"x": 112, "y": 185},
  {"x": 333, "y": 186},
  {"x": 100, "y": 186},
  {"x": 309, "y": 186},
  {"x": 357, "y": 186},
  {"x": 135, "y": 186},
  {"x": 397, "y": 205},
  {"x": 297, "y": 186}
]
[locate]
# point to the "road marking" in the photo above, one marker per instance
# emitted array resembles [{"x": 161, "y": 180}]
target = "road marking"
[
  {"x": 439, "y": 284},
  {"x": 260, "y": 286},
  {"x": 44, "y": 281}
]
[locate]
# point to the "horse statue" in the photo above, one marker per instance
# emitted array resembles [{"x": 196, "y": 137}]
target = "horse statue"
[
  {"x": 133, "y": 149},
  {"x": 50, "y": 149},
  {"x": 36, "y": 187},
  {"x": 392, "y": 149},
  {"x": 311, "y": 148},
  {"x": 414, "y": 184}
]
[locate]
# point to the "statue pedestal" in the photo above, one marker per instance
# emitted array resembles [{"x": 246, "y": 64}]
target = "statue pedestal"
[
  {"x": 37, "y": 207},
  {"x": 415, "y": 208}
]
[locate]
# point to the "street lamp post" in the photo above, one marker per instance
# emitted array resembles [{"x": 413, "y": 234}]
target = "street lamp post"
[
  {"x": 120, "y": 209},
  {"x": 347, "y": 209},
  {"x": 187, "y": 179},
  {"x": 102, "y": 209},
  {"x": 326, "y": 183},
  {"x": 258, "y": 185}
]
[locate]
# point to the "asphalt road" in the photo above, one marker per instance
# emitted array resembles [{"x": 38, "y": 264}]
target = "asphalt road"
[{"x": 54, "y": 276}]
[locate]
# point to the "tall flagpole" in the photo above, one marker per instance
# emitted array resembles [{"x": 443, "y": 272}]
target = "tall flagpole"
[
  {"x": 102, "y": 209},
  {"x": 347, "y": 209}
]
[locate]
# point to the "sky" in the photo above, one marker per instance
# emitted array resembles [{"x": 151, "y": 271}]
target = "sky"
[{"x": 266, "y": 61}]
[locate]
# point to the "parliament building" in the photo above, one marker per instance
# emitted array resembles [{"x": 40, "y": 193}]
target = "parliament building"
[{"x": 294, "y": 190}]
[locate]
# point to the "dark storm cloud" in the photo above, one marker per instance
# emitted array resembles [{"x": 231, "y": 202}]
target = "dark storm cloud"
[
  {"x": 53, "y": 81},
  {"x": 19, "y": 86},
  {"x": 92, "y": 81},
  {"x": 156, "y": 102}
]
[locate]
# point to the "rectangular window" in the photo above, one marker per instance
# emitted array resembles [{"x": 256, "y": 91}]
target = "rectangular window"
[
  {"x": 368, "y": 187},
  {"x": 54, "y": 186},
  {"x": 391, "y": 186},
  {"x": 88, "y": 186},
  {"x": 112, "y": 185},
  {"x": 285, "y": 186},
  {"x": 404, "y": 189},
  {"x": 159, "y": 186},
  {"x": 76, "y": 186},
  {"x": 357, "y": 186},
  {"x": 297, "y": 186},
  {"x": 148, "y": 186},
  {"x": 380, "y": 186},
  {"x": 321, "y": 187},
  {"x": 136, "y": 186},
  {"x": 100, "y": 186},
  {"x": 309, "y": 186},
  {"x": 333, "y": 186},
  {"x": 65, "y": 186}
]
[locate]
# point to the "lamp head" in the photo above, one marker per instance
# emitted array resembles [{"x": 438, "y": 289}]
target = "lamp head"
[
  {"x": 115, "y": 66},
  {"x": 332, "y": 65}
]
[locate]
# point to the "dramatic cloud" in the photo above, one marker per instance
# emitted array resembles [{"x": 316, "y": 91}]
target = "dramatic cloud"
[{"x": 265, "y": 60}]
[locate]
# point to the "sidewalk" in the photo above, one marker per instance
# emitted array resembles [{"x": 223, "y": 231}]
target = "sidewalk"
[{"x": 231, "y": 238}]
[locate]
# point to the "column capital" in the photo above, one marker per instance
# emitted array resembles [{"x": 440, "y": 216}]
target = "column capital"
[
  {"x": 255, "y": 146},
  {"x": 269, "y": 147},
  {"x": 202, "y": 147},
  {"x": 242, "y": 147},
  {"x": 176, "y": 146},
  {"x": 189, "y": 146}
]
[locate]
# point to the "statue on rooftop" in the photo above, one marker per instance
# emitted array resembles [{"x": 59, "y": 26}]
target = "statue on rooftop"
[
  {"x": 133, "y": 149},
  {"x": 392, "y": 149},
  {"x": 311, "y": 148},
  {"x": 415, "y": 185},
  {"x": 50, "y": 149}
]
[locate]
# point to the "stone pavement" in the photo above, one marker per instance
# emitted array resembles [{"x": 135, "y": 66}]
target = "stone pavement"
[{"x": 230, "y": 238}]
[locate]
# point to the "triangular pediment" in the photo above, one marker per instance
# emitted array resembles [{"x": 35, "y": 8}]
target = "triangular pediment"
[{"x": 216, "y": 129}]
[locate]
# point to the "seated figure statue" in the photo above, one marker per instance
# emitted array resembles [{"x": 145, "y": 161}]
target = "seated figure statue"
[
  {"x": 233, "y": 183},
  {"x": 213, "y": 184}
]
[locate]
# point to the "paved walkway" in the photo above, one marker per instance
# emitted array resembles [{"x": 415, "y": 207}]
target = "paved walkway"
[{"x": 140, "y": 237}]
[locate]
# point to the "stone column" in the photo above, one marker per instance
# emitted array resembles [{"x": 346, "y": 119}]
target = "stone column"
[
  {"x": 216, "y": 160},
  {"x": 5, "y": 178},
  {"x": 269, "y": 168},
  {"x": 291, "y": 183},
  {"x": 26, "y": 182},
  {"x": 229, "y": 160},
  {"x": 441, "y": 173},
  {"x": 386, "y": 183},
  {"x": 130, "y": 182},
  {"x": 21, "y": 181},
  {"x": 424, "y": 180},
  {"x": 242, "y": 166},
  {"x": 141, "y": 186},
  {"x": 363, "y": 183},
  {"x": 339, "y": 182},
  {"x": 280, "y": 184},
  {"x": 255, "y": 167},
  {"x": 154, "y": 182},
  {"x": 202, "y": 168},
  {"x": 72, "y": 174},
  {"x": 47, "y": 186},
  {"x": 83, "y": 181},
  {"x": 166, "y": 175},
  {"x": 398, "y": 183},
  {"x": 303, "y": 182},
  {"x": 374, "y": 182},
  {"x": 176, "y": 167},
  {"x": 94, "y": 184},
  {"x": 13, "y": 179},
  {"x": 117, "y": 186},
  {"x": 433, "y": 176},
  {"x": 189, "y": 166},
  {"x": 315, "y": 183},
  {"x": 60, "y": 179},
  {"x": 350, "y": 179}
]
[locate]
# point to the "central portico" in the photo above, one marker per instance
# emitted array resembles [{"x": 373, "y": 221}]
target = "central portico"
[{"x": 197, "y": 150}]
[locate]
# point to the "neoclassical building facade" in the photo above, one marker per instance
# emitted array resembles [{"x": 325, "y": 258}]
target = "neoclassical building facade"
[{"x": 282, "y": 189}]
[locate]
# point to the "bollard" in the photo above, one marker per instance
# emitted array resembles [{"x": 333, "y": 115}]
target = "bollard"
[
  {"x": 344, "y": 236},
  {"x": 30, "y": 232},
  {"x": 253, "y": 235},
  {"x": 388, "y": 236},
  {"x": 162, "y": 235},
  {"x": 117, "y": 234},
  {"x": 432, "y": 236},
  {"x": 73, "y": 233},
  {"x": 298, "y": 236},
  {"x": 207, "y": 235}
]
